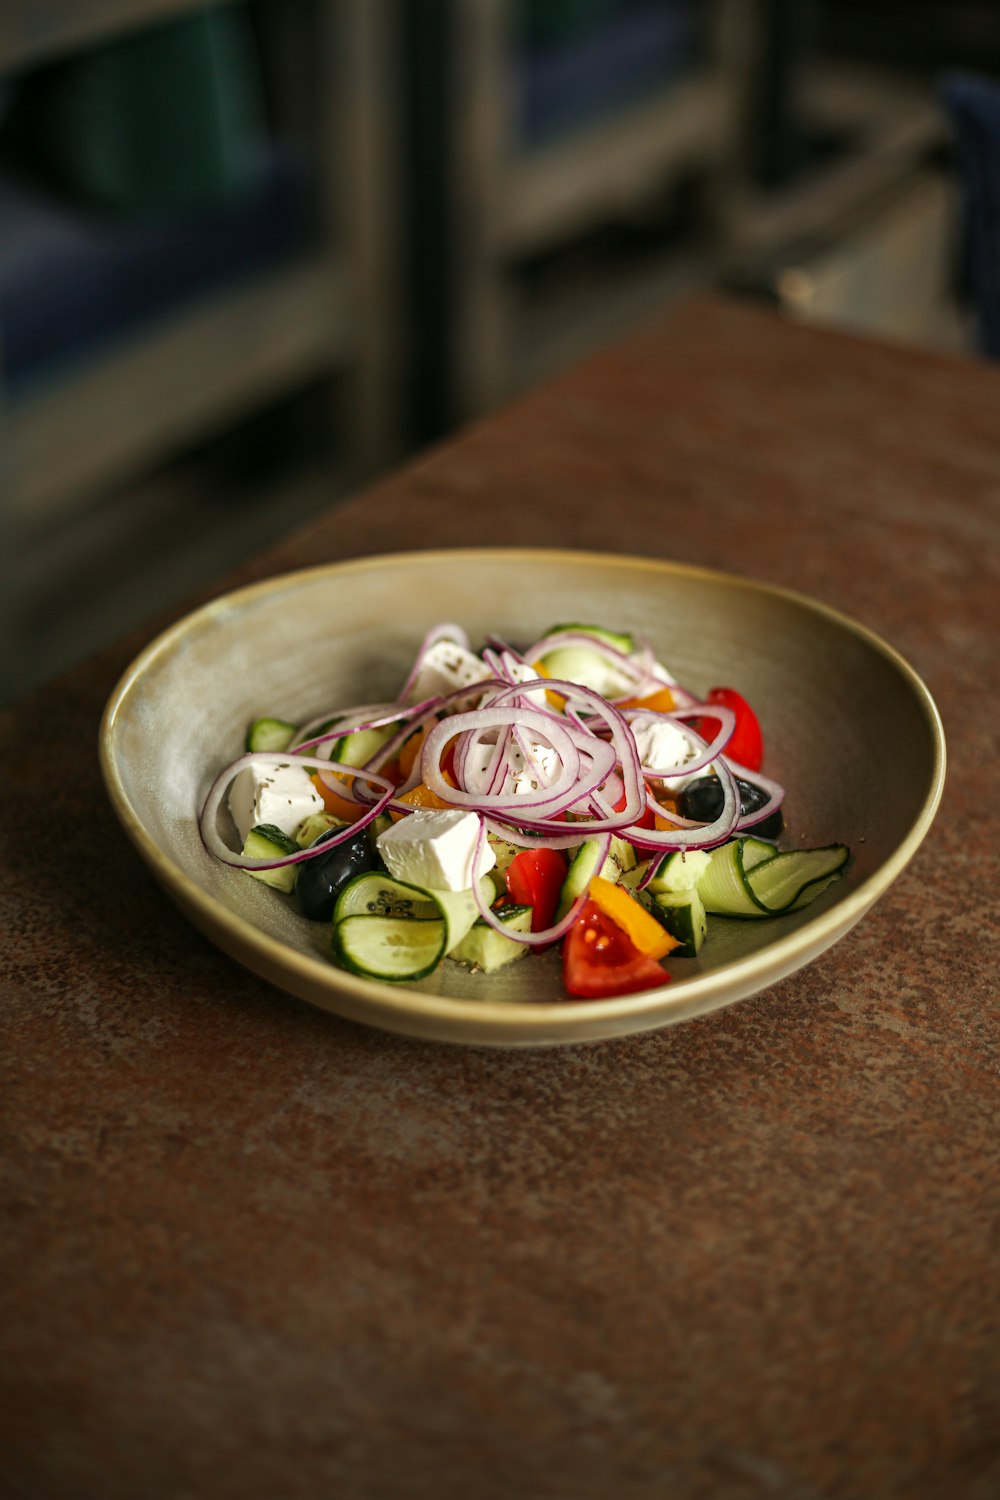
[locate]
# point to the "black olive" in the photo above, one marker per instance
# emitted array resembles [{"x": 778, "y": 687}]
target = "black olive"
[
  {"x": 702, "y": 801},
  {"x": 321, "y": 878}
]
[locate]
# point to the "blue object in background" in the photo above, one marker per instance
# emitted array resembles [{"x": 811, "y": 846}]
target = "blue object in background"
[
  {"x": 136, "y": 176},
  {"x": 74, "y": 283},
  {"x": 623, "y": 53},
  {"x": 973, "y": 105}
]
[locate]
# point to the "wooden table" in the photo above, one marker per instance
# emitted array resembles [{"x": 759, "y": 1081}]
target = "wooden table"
[{"x": 250, "y": 1251}]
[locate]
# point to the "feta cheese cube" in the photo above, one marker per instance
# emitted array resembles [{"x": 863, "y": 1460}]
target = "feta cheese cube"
[
  {"x": 445, "y": 667},
  {"x": 530, "y": 774},
  {"x": 280, "y": 794},
  {"x": 435, "y": 848},
  {"x": 526, "y": 775},
  {"x": 523, "y": 671},
  {"x": 663, "y": 748}
]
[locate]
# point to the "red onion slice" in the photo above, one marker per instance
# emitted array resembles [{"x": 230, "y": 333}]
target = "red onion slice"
[
  {"x": 216, "y": 844},
  {"x": 444, "y": 632}
]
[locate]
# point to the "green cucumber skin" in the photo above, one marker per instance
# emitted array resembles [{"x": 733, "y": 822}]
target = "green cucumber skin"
[
  {"x": 397, "y": 904},
  {"x": 620, "y": 639},
  {"x": 270, "y": 734},
  {"x": 369, "y": 933},
  {"x": 358, "y": 748},
  {"x": 679, "y": 871},
  {"x": 808, "y": 889},
  {"x": 265, "y": 841},
  {"x": 374, "y": 894},
  {"x": 486, "y": 949},
  {"x": 730, "y": 889},
  {"x": 587, "y": 862},
  {"x": 754, "y": 851},
  {"x": 683, "y": 915}
]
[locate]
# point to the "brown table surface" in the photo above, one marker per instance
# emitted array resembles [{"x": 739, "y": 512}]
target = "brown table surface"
[{"x": 248, "y": 1250}]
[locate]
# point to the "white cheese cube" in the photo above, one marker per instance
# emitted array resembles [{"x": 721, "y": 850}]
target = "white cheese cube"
[
  {"x": 526, "y": 776},
  {"x": 280, "y": 794},
  {"x": 446, "y": 666},
  {"x": 522, "y": 671},
  {"x": 435, "y": 848},
  {"x": 664, "y": 747},
  {"x": 538, "y": 772},
  {"x": 476, "y": 769}
]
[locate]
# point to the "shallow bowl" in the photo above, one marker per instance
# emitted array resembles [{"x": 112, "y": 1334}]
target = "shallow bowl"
[{"x": 850, "y": 731}]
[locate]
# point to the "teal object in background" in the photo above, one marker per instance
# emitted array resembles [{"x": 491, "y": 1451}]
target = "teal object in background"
[
  {"x": 546, "y": 22},
  {"x": 162, "y": 122}
]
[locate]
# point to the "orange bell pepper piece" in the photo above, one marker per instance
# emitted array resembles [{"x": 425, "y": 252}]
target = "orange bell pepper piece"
[
  {"x": 410, "y": 750},
  {"x": 348, "y": 812},
  {"x": 621, "y": 907},
  {"x": 660, "y": 702}
]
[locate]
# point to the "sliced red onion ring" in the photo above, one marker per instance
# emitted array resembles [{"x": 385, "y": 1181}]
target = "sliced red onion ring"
[
  {"x": 638, "y": 673},
  {"x": 545, "y": 935},
  {"x": 685, "y": 833},
  {"x": 710, "y": 750},
  {"x": 216, "y": 844},
  {"x": 597, "y": 779},
  {"x": 775, "y": 794},
  {"x": 492, "y": 718},
  {"x": 445, "y": 632}
]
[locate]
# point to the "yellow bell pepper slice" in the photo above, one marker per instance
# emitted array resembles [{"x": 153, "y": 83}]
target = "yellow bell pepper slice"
[{"x": 621, "y": 907}]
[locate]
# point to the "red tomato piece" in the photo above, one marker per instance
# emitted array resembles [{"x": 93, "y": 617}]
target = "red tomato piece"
[
  {"x": 645, "y": 820},
  {"x": 600, "y": 960},
  {"x": 747, "y": 743},
  {"x": 535, "y": 878}
]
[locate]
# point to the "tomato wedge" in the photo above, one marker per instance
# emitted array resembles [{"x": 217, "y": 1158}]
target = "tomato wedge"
[
  {"x": 535, "y": 878},
  {"x": 645, "y": 820},
  {"x": 600, "y": 960},
  {"x": 747, "y": 743}
]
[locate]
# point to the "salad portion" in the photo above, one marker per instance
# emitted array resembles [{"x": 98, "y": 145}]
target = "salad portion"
[{"x": 571, "y": 793}]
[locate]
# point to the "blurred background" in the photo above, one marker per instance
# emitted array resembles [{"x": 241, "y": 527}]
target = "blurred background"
[{"x": 254, "y": 254}]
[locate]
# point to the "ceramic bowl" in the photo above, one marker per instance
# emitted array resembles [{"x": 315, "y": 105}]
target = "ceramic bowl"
[{"x": 850, "y": 730}]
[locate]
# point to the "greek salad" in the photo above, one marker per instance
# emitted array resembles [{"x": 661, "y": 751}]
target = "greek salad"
[{"x": 571, "y": 792}]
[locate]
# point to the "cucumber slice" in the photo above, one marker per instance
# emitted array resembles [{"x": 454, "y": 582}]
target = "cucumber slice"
[
  {"x": 588, "y": 862},
  {"x": 460, "y": 911},
  {"x": 265, "y": 841},
  {"x": 744, "y": 881},
  {"x": 723, "y": 887},
  {"x": 683, "y": 915},
  {"x": 620, "y": 639},
  {"x": 588, "y": 668},
  {"x": 486, "y": 949},
  {"x": 395, "y": 949},
  {"x": 621, "y": 857},
  {"x": 679, "y": 871},
  {"x": 270, "y": 734},
  {"x": 310, "y": 828},
  {"x": 358, "y": 748},
  {"x": 578, "y": 662},
  {"x": 377, "y": 894},
  {"x": 795, "y": 877},
  {"x": 399, "y": 905},
  {"x": 504, "y": 852},
  {"x": 755, "y": 851}
]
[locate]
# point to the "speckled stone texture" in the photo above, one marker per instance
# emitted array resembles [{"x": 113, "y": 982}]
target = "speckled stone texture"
[{"x": 249, "y": 1252}]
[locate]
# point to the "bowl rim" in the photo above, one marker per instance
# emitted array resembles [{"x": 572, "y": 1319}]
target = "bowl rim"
[{"x": 678, "y": 1000}]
